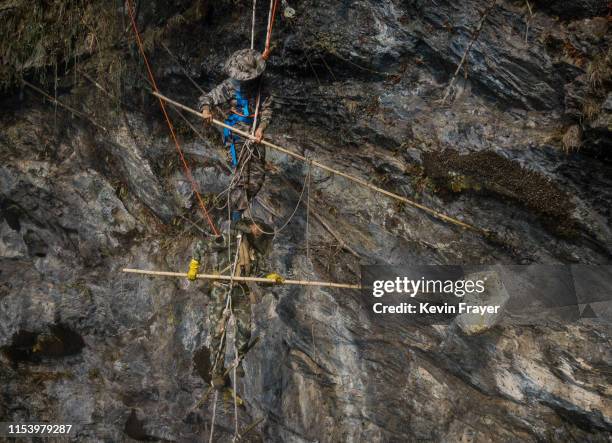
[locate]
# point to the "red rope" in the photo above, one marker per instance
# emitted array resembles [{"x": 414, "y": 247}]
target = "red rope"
[
  {"x": 266, "y": 53},
  {"x": 186, "y": 167}
]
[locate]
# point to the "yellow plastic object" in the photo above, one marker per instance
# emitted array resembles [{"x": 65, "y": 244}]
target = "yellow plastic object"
[
  {"x": 194, "y": 267},
  {"x": 276, "y": 277}
]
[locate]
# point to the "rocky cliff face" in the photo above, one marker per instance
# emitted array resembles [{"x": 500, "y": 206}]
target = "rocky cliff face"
[{"x": 520, "y": 146}]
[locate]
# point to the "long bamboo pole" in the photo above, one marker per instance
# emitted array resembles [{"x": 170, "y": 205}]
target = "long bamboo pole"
[
  {"x": 244, "y": 279},
  {"x": 354, "y": 179}
]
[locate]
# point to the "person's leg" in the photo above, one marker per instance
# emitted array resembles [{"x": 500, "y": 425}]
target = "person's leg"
[
  {"x": 238, "y": 195},
  {"x": 256, "y": 171}
]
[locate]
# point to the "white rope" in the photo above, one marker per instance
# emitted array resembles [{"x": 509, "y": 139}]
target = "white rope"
[
  {"x": 233, "y": 274},
  {"x": 221, "y": 344},
  {"x": 253, "y": 26},
  {"x": 228, "y": 305},
  {"x": 229, "y": 222},
  {"x": 233, "y": 319},
  {"x": 212, "y": 424},
  {"x": 308, "y": 212},
  {"x": 254, "y": 127},
  {"x": 235, "y": 178},
  {"x": 235, "y": 380},
  {"x": 279, "y": 230},
  {"x": 236, "y": 175}
]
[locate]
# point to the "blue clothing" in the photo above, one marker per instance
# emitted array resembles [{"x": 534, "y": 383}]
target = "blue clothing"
[{"x": 245, "y": 117}]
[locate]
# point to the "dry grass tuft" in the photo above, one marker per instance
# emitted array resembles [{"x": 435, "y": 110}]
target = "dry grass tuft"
[
  {"x": 599, "y": 70},
  {"x": 599, "y": 78},
  {"x": 38, "y": 34},
  {"x": 572, "y": 139},
  {"x": 591, "y": 109}
]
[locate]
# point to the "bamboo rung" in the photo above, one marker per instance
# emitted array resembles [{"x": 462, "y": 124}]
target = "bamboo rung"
[{"x": 244, "y": 279}]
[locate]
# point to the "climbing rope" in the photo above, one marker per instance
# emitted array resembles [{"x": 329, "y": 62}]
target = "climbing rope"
[
  {"x": 308, "y": 211},
  {"x": 212, "y": 424},
  {"x": 236, "y": 174},
  {"x": 229, "y": 318},
  {"x": 282, "y": 228},
  {"x": 177, "y": 145},
  {"x": 253, "y": 25},
  {"x": 235, "y": 381},
  {"x": 271, "y": 17}
]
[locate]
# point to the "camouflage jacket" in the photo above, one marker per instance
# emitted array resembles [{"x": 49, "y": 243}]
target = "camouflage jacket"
[
  {"x": 226, "y": 93},
  {"x": 214, "y": 250}
]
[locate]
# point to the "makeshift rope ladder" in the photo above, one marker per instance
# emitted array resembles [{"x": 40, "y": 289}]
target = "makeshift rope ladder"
[
  {"x": 214, "y": 416},
  {"x": 220, "y": 355},
  {"x": 203, "y": 207},
  {"x": 235, "y": 380},
  {"x": 308, "y": 210},
  {"x": 232, "y": 317}
]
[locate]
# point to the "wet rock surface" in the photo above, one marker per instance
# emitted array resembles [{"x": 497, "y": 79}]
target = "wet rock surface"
[{"x": 359, "y": 87}]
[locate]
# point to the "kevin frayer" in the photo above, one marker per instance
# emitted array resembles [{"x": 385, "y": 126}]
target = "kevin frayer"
[{"x": 428, "y": 308}]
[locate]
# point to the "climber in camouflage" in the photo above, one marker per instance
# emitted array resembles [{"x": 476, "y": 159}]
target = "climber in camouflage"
[
  {"x": 219, "y": 255},
  {"x": 243, "y": 91},
  {"x": 241, "y": 249}
]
